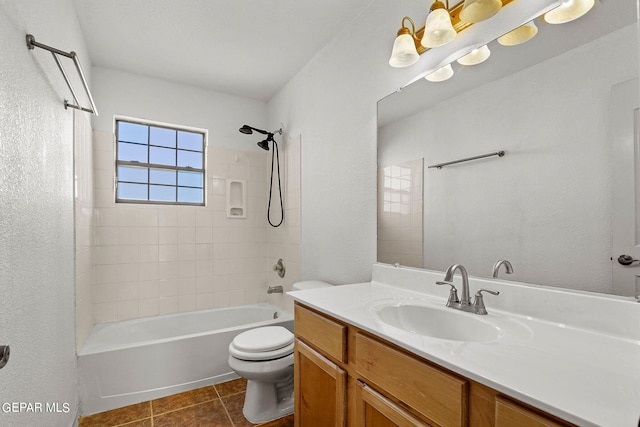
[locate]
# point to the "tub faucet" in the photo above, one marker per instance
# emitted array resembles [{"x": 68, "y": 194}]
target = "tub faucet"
[
  {"x": 507, "y": 267},
  {"x": 274, "y": 290}
]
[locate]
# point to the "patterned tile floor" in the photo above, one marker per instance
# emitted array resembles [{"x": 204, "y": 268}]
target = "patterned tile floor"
[{"x": 219, "y": 405}]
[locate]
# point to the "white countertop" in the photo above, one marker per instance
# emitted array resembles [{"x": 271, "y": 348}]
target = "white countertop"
[{"x": 588, "y": 375}]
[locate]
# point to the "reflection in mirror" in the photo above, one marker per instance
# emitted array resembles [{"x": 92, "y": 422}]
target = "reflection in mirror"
[
  {"x": 400, "y": 213},
  {"x": 546, "y": 206}
]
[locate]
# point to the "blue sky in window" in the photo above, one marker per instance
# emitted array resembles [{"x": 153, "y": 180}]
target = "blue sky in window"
[{"x": 161, "y": 146}]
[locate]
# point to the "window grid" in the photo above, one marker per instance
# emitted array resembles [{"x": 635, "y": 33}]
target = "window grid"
[{"x": 160, "y": 167}]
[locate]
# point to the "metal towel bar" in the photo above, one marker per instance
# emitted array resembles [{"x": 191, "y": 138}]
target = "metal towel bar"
[
  {"x": 440, "y": 165},
  {"x": 32, "y": 43}
]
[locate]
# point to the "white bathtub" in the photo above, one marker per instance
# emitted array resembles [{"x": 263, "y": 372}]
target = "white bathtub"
[{"x": 132, "y": 361}]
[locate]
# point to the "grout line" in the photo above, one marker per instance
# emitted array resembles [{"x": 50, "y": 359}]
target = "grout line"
[
  {"x": 226, "y": 411},
  {"x": 151, "y": 410}
]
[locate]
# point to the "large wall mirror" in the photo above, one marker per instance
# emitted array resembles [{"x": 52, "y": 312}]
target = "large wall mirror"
[{"x": 551, "y": 104}]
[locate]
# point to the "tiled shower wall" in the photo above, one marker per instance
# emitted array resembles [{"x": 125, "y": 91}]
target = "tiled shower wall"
[
  {"x": 158, "y": 259},
  {"x": 400, "y": 230},
  {"x": 84, "y": 224},
  {"x": 284, "y": 241}
]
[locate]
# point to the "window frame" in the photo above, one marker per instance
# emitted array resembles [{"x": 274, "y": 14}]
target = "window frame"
[{"x": 149, "y": 166}]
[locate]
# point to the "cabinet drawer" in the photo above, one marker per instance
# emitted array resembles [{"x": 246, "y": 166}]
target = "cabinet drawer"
[
  {"x": 326, "y": 335},
  {"x": 439, "y": 396},
  {"x": 376, "y": 410},
  {"x": 510, "y": 414}
]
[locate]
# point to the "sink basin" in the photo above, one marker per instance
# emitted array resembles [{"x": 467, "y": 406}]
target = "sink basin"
[{"x": 438, "y": 322}]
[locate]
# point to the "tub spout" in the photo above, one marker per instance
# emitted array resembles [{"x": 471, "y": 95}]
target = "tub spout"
[{"x": 275, "y": 290}]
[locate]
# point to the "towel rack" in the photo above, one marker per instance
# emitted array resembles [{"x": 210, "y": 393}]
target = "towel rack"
[
  {"x": 440, "y": 165},
  {"x": 32, "y": 43}
]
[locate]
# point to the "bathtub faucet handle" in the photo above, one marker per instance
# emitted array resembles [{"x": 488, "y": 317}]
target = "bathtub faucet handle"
[
  {"x": 275, "y": 290},
  {"x": 279, "y": 268}
]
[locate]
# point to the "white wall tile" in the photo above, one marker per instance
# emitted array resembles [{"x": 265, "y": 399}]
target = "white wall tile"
[
  {"x": 167, "y": 216},
  {"x": 168, "y": 235},
  {"x": 148, "y": 253},
  {"x": 149, "y": 307},
  {"x": 149, "y": 289},
  {"x": 167, "y": 253},
  {"x": 186, "y": 303},
  {"x": 148, "y": 235},
  {"x": 167, "y": 305},
  {"x": 167, "y": 288}
]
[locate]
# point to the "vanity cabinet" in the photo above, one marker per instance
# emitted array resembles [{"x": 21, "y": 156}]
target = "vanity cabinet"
[
  {"x": 346, "y": 376},
  {"x": 321, "y": 389}
]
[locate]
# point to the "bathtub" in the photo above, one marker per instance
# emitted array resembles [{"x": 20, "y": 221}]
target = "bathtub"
[{"x": 132, "y": 361}]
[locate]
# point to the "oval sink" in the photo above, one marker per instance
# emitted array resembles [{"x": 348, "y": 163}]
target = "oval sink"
[{"x": 436, "y": 322}]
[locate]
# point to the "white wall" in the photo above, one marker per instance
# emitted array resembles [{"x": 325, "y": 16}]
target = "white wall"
[
  {"x": 545, "y": 206},
  {"x": 122, "y": 93},
  {"x": 332, "y": 103},
  {"x": 36, "y": 213}
]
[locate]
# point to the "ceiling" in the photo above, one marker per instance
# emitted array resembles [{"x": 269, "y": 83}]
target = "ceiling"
[{"x": 248, "y": 48}]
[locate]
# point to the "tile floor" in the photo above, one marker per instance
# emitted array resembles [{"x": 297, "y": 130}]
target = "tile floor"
[{"x": 219, "y": 405}]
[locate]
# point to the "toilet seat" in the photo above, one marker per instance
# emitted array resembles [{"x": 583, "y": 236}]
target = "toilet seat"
[{"x": 266, "y": 343}]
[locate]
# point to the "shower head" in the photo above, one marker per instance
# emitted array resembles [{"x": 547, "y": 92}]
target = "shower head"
[
  {"x": 264, "y": 144},
  {"x": 248, "y": 130}
]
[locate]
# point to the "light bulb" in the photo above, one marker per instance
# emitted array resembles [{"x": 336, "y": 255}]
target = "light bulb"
[
  {"x": 520, "y": 35},
  {"x": 476, "y": 56},
  {"x": 404, "y": 51},
  {"x": 479, "y": 10},
  {"x": 568, "y": 11},
  {"x": 441, "y": 74},
  {"x": 438, "y": 29}
]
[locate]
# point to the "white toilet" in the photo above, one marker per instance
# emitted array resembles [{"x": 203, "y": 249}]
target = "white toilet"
[{"x": 264, "y": 356}]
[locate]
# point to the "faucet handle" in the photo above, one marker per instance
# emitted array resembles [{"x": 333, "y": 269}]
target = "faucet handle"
[
  {"x": 453, "y": 293},
  {"x": 478, "y": 302}
]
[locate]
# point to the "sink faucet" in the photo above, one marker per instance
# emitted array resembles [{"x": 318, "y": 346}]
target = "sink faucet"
[
  {"x": 448, "y": 277},
  {"x": 507, "y": 266},
  {"x": 464, "y": 303}
]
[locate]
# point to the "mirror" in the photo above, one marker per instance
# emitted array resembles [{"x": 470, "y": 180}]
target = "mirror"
[{"x": 546, "y": 204}]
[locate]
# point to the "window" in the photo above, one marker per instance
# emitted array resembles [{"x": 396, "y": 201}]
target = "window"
[{"x": 159, "y": 164}]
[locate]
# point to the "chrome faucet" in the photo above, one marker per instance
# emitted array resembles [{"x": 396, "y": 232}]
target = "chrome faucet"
[
  {"x": 464, "y": 303},
  {"x": 507, "y": 267},
  {"x": 275, "y": 290}
]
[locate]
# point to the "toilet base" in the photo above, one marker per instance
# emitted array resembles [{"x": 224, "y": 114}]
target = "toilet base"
[{"x": 266, "y": 401}]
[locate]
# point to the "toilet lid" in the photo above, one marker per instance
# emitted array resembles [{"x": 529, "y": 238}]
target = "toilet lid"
[
  {"x": 261, "y": 356},
  {"x": 260, "y": 340}
]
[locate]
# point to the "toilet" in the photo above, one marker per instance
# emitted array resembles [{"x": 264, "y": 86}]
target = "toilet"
[{"x": 264, "y": 356}]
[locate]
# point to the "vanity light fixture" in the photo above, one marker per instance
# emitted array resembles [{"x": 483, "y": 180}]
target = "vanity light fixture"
[
  {"x": 441, "y": 74},
  {"x": 568, "y": 11},
  {"x": 438, "y": 30},
  {"x": 520, "y": 35},
  {"x": 479, "y": 10},
  {"x": 404, "y": 51},
  {"x": 476, "y": 56}
]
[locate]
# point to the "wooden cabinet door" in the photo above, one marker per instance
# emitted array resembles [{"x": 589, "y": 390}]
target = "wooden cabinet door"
[
  {"x": 320, "y": 389},
  {"x": 510, "y": 414},
  {"x": 375, "y": 410}
]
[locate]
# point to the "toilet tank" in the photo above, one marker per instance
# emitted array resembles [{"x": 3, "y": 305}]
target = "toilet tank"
[{"x": 310, "y": 284}]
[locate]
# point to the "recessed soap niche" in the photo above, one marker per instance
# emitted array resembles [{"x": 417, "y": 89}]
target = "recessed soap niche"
[{"x": 236, "y": 198}]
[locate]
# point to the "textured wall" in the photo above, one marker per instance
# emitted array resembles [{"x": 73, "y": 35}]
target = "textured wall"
[{"x": 36, "y": 213}]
